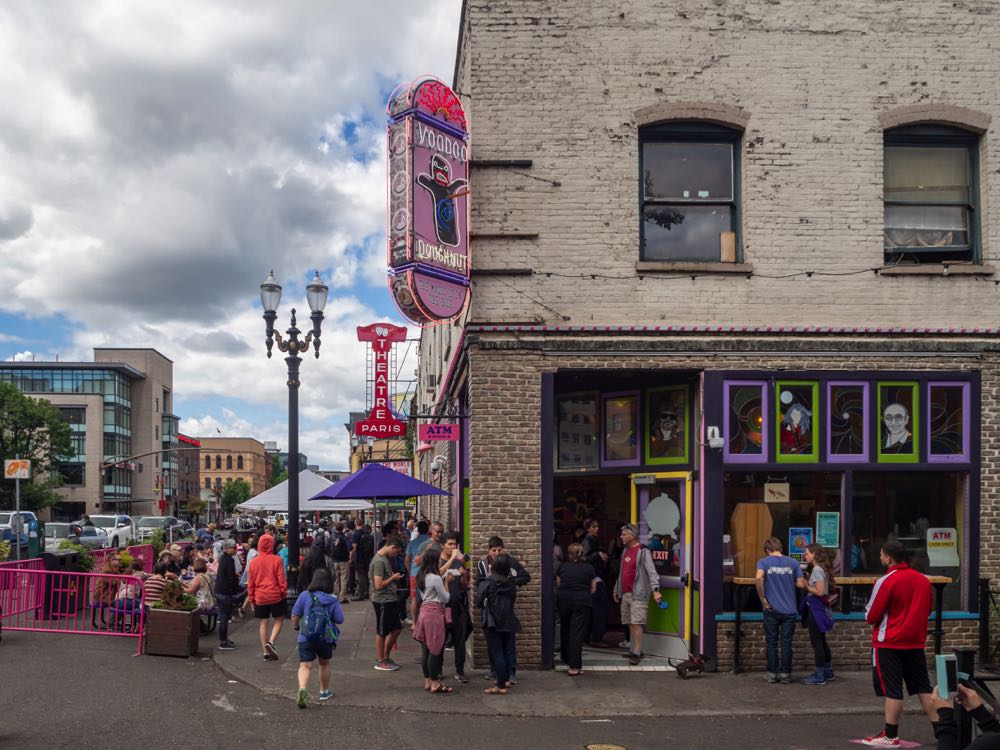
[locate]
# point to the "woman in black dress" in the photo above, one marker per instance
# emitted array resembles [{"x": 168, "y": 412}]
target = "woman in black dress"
[{"x": 575, "y": 583}]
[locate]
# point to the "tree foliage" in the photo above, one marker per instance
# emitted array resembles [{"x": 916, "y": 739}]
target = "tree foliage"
[
  {"x": 234, "y": 493},
  {"x": 277, "y": 475},
  {"x": 32, "y": 428}
]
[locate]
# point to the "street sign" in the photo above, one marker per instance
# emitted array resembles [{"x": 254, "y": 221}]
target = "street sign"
[{"x": 17, "y": 468}]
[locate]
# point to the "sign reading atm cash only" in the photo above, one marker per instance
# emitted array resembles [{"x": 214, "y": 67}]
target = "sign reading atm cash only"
[{"x": 428, "y": 211}]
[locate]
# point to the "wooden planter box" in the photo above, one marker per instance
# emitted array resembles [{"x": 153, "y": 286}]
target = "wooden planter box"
[{"x": 171, "y": 632}]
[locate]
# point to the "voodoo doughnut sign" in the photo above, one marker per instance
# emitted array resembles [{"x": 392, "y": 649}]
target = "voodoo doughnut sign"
[{"x": 428, "y": 211}]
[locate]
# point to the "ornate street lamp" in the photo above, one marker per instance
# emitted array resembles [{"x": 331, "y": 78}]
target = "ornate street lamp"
[{"x": 270, "y": 298}]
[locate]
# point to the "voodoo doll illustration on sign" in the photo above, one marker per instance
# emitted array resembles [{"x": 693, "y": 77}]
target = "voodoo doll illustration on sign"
[{"x": 442, "y": 189}]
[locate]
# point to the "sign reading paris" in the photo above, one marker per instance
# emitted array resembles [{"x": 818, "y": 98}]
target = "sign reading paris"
[
  {"x": 428, "y": 212},
  {"x": 381, "y": 421}
]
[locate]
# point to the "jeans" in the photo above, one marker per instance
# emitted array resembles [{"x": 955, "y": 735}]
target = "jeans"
[
  {"x": 778, "y": 625},
  {"x": 361, "y": 573},
  {"x": 599, "y": 613},
  {"x": 821, "y": 649},
  {"x": 500, "y": 646},
  {"x": 459, "y": 635},
  {"x": 432, "y": 664},
  {"x": 224, "y": 603}
]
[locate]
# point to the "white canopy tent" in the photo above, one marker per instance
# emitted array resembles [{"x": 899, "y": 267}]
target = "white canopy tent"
[{"x": 276, "y": 498}]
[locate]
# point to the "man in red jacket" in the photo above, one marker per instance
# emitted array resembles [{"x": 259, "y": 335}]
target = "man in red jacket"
[{"x": 898, "y": 610}]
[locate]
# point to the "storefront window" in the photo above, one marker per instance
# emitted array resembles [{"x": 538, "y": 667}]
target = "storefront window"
[
  {"x": 847, "y": 422},
  {"x": 577, "y": 446},
  {"x": 667, "y": 425},
  {"x": 797, "y": 421},
  {"x": 760, "y": 505},
  {"x": 921, "y": 510},
  {"x": 620, "y": 429},
  {"x": 948, "y": 422},
  {"x": 745, "y": 425},
  {"x": 899, "y": 422}
]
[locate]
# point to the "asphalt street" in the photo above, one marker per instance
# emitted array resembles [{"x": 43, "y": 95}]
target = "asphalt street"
[{"x": 73, "y": 691}]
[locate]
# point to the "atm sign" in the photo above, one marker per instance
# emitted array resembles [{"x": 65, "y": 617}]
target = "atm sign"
[{"x": 443, "y": 432}]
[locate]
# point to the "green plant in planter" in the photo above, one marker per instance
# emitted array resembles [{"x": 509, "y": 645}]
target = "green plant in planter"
[
  {"x": 5, "y": 550},
  {"x": 175, "y": 598},
  {"x": 85, "y": 561},
  {"x": 157, "y": 541},
  {"x": 126, "y": 559}
]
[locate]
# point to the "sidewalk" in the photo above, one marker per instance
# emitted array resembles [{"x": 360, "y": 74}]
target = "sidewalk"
[{"x": 546, "y": 694}]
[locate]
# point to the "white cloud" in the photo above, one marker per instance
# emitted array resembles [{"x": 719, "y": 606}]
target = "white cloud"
[{"x": 162, "y": 156}]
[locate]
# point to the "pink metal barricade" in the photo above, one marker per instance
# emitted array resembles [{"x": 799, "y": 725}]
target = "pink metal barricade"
[
  {"x": 21, "y": 596},
  {"x": 144, "y": 552},
  {"x": 48, "y": 601},
  {"x": 100, "y": 556}
]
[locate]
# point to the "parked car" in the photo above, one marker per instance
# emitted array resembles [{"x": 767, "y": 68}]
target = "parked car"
[
  {"x": 227, "y": 524},
  {"x": 119, "y": 527},
  {"x": 186, "y": 531},
  {"x": 8, "y": 521},
  {"x": 147, "y": 526},
  {"x": 57, "y": 532}
]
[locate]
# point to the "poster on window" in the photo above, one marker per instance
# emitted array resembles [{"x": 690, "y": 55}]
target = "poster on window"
[
  {"x": 898, "y": 422},
  {"x": 797, "y": 421},
  {"x": 620, "y": 429},
  {"x": 577, "y": 428},
  {"x": 799, "y": 537},
  {"x": 667, "y": 425}
]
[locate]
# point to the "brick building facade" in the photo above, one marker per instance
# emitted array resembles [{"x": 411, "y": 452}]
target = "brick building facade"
[{"x": 761, "y": 230}]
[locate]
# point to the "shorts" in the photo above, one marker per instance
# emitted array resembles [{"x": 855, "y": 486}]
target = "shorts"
[
  {"x": 309, "y": 651},
  {"x": 387, "y": 618},
  {"x": 276, "y": 610},
  {"x": 891, "y": 667},
  {"x": 634, "y": 611}
]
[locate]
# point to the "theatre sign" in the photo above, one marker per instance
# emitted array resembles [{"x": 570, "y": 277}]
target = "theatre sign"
[{"x": 428, "y": 203}]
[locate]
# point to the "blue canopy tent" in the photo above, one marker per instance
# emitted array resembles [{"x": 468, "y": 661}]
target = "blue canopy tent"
[{"x": 377, "y": 482}]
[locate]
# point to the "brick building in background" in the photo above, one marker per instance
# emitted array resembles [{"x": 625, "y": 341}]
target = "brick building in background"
[
  {"x": 226, "y": 459},
  {"x": 734, "y": 276}
]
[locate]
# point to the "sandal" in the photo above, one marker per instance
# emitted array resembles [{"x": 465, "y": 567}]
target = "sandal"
[
  {"x": 495, "y": 691},
  {"x": 442, "y": 690},
  {"x": 575, "y": 672}
]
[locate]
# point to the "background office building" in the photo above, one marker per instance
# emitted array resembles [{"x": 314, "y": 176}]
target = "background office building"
[{"x": 119, "y": 408}]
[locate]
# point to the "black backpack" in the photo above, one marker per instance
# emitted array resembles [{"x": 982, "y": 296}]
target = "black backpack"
[
  {"x": 366, "y": 547},
  {"x": 340, "y": 552}
]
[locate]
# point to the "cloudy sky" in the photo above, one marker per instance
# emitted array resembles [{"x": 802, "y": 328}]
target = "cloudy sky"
[{"x": 160, "y": 157}]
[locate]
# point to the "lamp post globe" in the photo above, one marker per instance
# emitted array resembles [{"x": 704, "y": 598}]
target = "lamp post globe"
[
  {"x": 270, "y": 293},
  {"x": 316, "y": 293}
]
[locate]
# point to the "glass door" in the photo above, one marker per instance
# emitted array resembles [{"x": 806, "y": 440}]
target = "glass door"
[{"x": 662, "y": 509}]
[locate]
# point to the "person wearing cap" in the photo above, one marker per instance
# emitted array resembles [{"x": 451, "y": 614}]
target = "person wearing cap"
[
  {"x": 227, "y": 588},
  {"x": 637, "y": 579}
]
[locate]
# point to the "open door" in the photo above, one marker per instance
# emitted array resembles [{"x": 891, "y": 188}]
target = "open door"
[{"x": 662, "y": 508}]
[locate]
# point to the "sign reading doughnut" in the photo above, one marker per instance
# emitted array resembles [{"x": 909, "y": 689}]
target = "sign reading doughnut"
[{"x": 428, "y": 207}]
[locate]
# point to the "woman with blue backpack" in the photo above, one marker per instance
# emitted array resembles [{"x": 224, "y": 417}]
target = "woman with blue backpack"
[{"x": 315, "y": 617}]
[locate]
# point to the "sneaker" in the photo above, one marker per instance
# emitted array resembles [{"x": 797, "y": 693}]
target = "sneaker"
[
  {"x": 772, "y": 678},
  {"x": 227, "y": 646},
  {"x": 461, "y": 677},
  {"x": 634, "y": 659},
  {"x": 303, "y": 695},
  {"x": 785, "y": 679},
  {"x": 386, "y": 666},
  {"x": 392, "y": 664},
  {"x": 492, "y": 676},
  {"x": 625, "y": 645},
  {"x": 325, "y": 695},
  {"x": 814, "y": 679},
  {"x": 271, "y": 650},
  {"x": 513, "y": 678},
  {"x": 880, "y": 740}
]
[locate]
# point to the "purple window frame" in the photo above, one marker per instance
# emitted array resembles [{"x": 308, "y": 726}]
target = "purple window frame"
[
  {"x": 746, "y": 458},
  {"x": 957, "y": 458},
  {"x": 638, "y": 436},
  {"x": 847, "y": 458}
]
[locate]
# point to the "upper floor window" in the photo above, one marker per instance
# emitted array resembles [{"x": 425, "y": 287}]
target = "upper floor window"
[
  {"x": 931, "y": 186},
  {"x": 218, "y": 462},
  {"x": 229, "y": 462},
  {"x": 208, "y": 483},
  {"x": 689, "y": 189},
  {"x": 208, "y": 462},
  {"x": 239, "y": 463}
]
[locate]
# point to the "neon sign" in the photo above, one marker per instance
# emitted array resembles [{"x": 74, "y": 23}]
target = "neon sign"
[
  {"x": 428, "y": 202},
  {"x": 381, "y": 422}
]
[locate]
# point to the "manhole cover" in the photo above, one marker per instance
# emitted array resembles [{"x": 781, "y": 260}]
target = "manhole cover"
[{"x": 604, "y": 746}]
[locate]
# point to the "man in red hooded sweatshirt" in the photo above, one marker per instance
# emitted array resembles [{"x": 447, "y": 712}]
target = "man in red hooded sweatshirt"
[
  {"x": 266, "y": 590},
  {"x": 898, "y": 610}
]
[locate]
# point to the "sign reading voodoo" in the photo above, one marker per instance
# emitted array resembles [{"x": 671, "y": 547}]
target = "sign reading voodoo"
[{"x": 428, "y": 216}]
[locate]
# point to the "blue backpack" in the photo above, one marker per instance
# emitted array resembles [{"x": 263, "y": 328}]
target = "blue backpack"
[{"x": 319, "y": 627}]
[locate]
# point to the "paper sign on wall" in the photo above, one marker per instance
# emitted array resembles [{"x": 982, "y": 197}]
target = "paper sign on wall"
[
  {"x": 942, "y": 548},
  {"x": 777, "y": 492},
  {"x": 798, "y": 539},
  {"x": 828, "y": 529}
]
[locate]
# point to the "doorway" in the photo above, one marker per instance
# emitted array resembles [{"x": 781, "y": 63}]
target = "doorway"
[{"x": 663, "y": 509}]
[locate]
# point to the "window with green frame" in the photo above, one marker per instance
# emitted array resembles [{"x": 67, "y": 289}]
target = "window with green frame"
[
  {"x": 797, "y": 422},
  {"x": 931, "y": 186},
  {"x": 689, "y": 191}
]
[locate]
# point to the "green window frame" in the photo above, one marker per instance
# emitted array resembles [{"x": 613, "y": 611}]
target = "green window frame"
[
  {"x": 814, "y": 416},
  {"x": 656, "y": 399},
  {"x": 883, "y": 454}
]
